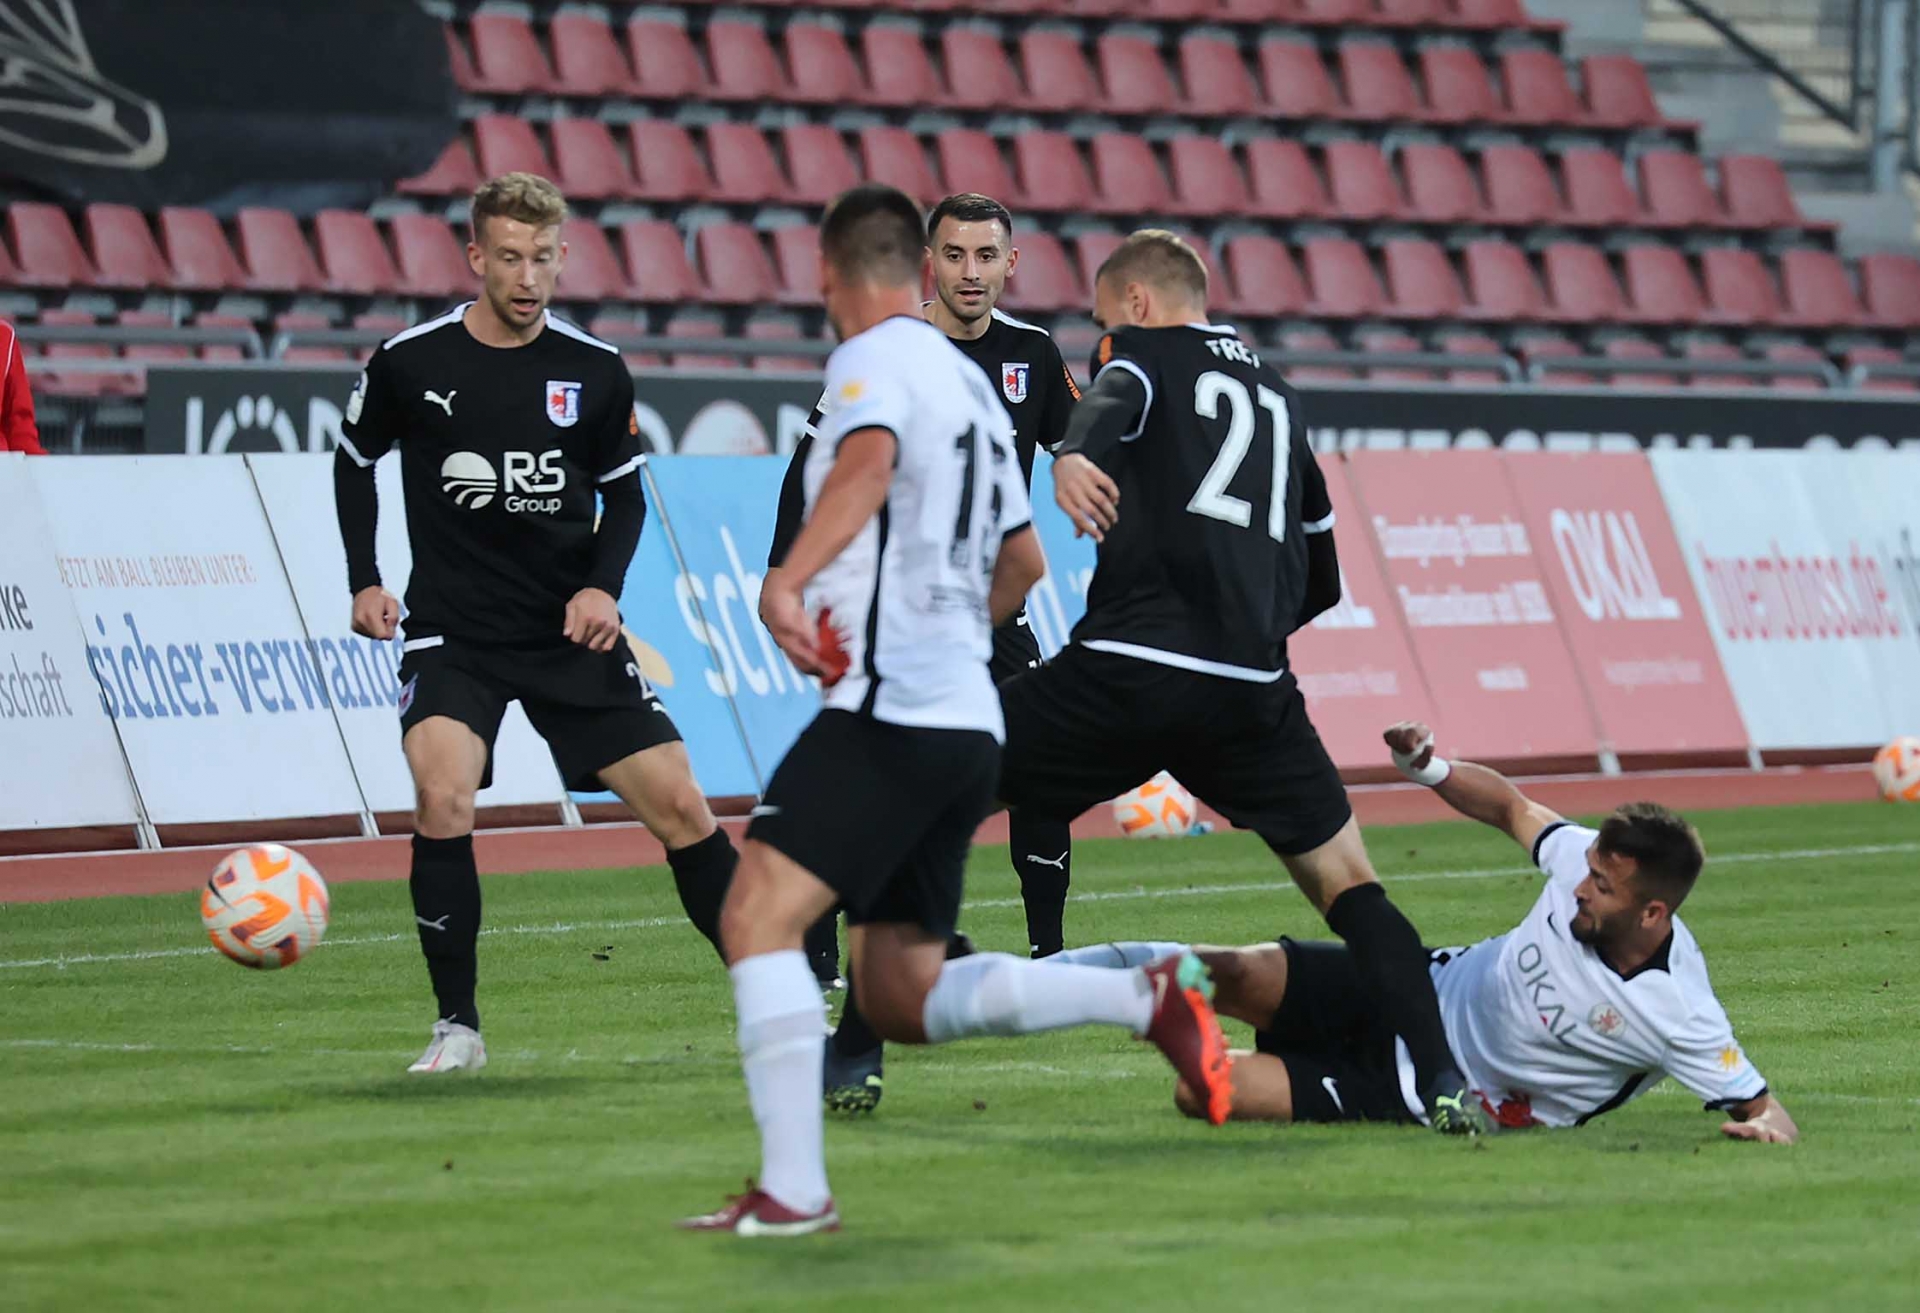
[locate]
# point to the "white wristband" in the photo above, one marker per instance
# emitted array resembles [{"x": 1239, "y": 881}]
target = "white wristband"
[{"x": 1432, "y": 774}]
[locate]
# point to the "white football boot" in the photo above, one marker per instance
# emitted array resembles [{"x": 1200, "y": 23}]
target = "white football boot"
[{"x": 454, "y": 1048}]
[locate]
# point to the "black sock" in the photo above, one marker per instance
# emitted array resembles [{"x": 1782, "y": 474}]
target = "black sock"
[
  {"x": 823, "y": 947},
  {"x": 1042, "y": 852},
  {"x": 701, "y": 873},
  {"x": 446, "y": 908},
  {"x": 1393, "y": 963},
  {"x": 853, "y": 1036}
]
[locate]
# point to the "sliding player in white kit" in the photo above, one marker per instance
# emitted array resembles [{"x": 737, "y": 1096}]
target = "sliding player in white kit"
[
  {"x": 1587, "y": 1004},
  {"x": 918, "y": 540}
]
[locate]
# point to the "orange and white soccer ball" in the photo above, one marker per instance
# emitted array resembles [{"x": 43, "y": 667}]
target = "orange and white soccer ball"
[
  {"x": 265, "y": 907},
  {"x": 1896, "y": 770},
  {"x": 1159, "y": 809}
]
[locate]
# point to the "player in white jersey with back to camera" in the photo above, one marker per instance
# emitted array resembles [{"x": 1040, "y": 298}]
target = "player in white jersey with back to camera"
[
  {"x": 917, "y": 540},
  {"x": 1593, "y": 999}
]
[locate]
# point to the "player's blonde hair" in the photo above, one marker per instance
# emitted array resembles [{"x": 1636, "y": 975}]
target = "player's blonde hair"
[
  {"x": 527, "y": 197},
  {"x": 1160, "y": 259}
]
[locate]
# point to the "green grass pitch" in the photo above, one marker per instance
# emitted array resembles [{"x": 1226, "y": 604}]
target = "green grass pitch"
[{"x": 176, "y": 1132}]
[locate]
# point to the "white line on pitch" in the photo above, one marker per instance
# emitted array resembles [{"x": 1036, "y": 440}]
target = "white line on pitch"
[{"x": 1093, "y": 896}]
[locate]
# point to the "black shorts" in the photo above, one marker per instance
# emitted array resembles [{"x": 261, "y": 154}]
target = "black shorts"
[
  {"x": 1015, "y": 649},
  {"x": 884, "y": 814},
  {"x": 592, "y": 708},
  {"x": 1088, "y": 726},
  {"x": 1339, "y": 1055}
]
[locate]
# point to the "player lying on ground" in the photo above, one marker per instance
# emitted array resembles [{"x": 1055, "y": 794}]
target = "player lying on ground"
[
  {"x": 1187, "y": 461},
  {"x": 917, "y": 539},
  {"x": 1583, "y": 1007},
  {"x": 513, "y": 592}
]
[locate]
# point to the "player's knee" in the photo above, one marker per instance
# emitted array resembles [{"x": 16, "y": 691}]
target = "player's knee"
[
  {"x": 443, "y": 809},
  {"x": 688, "y": 813}
]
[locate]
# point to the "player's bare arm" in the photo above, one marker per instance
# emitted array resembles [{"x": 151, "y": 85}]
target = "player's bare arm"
[
  {"x": 1018, "y": 568},
  {"x": 1475, "y": 791},
  {"x": 853, "y": 494},
  {"x": 1763, "y": 1120}
]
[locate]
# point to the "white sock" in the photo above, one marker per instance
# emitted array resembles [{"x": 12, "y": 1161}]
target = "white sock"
[
  {"x": 781, "y": 1029},
  {"x": 999, "y": 994},
  {"x": 1125, "y": 953}
]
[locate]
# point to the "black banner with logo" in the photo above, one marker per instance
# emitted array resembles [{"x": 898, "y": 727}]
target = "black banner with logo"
[
  {"x": 220, "y": 103},
  {"x": 213, "y": 409}
]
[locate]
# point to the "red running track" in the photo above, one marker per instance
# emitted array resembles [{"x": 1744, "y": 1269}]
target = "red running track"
[{"x": 32, "y": 879}]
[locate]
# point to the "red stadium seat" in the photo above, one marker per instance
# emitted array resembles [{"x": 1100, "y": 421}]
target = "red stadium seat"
[
  {"x": 1817, "y": 291},
  {"x": 1334, "y": 13},
  {"x": 1537, "y": 348},
  {"x": 1537, "y": 88},
  {"x": 1661, "y": 288},
  {"x": 817, "y": 162},
  {"x": 667, "y": 167},
  {"x": 453, "y": 174},
  {"x": 822, "y": 66},
  {"x": 505, "y": 143},
  {"x": 899, "y": 71},
  {"x": 588, "y": 163},
  {"x": 778, "y": 328},
  {"x": 462, "y": 63},
  {"x": 198, "y": 252},
  {"x": 292, "y": 322},
  {"x": 894, "y": 156},
  {"x": 586, "y": 57},
  {"x": 1739, "y": 288},
  {"x": 1798, "y": 353},
  {"x": 796, "y": 255},
  {"x": 1502, "y": 283},
  {"x": 432, "y": 262},
  {"x": 1581, "y": 287},
  {"x": 1597, "y": 191},
  {"x": 1421, "y": 280},
  {"x": 1044, "y": 279},
  {"x": 1754, "y": 193},
  {"x": 1206, "y": 179},
  {"x": 1297, "y": 83},
  {"x": 657, "y": 261},
  {"x": 275, "y": 252},
  {"x": 1673, "y": 187},
  {"x": 506, "y": 56},
  {"x": 1439, "y": 186},
  {"x": 1283, "y": 181},
  {"x": 1311, "y": 339},
  {"x": 695, "y": 324},
  {"x": 970, "y": 161},
  {"x": 1127, "y": 178},
  {"x": 1257, "y": 11},
  {"x": 80, "y": 383},
  {"x": 665, "y": 64},
  {"x": 1394, "y": 344},
  {"x": 1636, "y": 348},
  {"x": 124, "y": 252},
  {"x": 621, "y": 330},
  {"x": 1058, "y": 76},
  {"x": 1136, "y": 78},
  {"x": 1179, "y": 11},
  {"x": 1890, "y": 285},
  {"x": 1377, "y": 83},
  {"x": 1878, "y": 355},
  {"x": 1090, "y": 251},
  {"x": 1342, "y": 280},
  {"x": 734, "y": 263},
  {"x": 1265, "y": 276},
  {"x": 1077, "y": 338},
  {"x": 222, "y": 354},
  {"x": 1618, "y": 95},
  {"x": 1520, "y": 190},
  {"x": 353, "y": 254},
  {"x": 592, "y": 271},
  {"x": 1216, "y": 78},
  {"x": 48, "y": 249},
  {"x": 151, "y": 351},
  {"x": 1221, "y": 294},
  {"x": 1717, "y": 351},
  {"x": 979, "y": 74},
  {"x": 743, "y": 63},
  {"x": 1361, "y": 182},
  {"x": 1458, "y": 88},
  {"x": 1472, "y": 344},
  {"x": 744, "y": 169},
  {"x": 1053, "y": 176},
  {"x": 1409, "y": 13},
  {"x": 1494, "y": 15}
]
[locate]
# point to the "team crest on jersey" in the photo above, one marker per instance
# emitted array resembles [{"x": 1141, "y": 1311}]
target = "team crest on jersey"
[
  {"x": 1013, "y": 382},
  {"x": 563, "y": 403},
  {"x": 406, "y": 694},
  {"x": 1606, "y": 1019}
]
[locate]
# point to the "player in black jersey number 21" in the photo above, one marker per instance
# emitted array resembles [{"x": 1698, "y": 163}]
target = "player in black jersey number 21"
[
  {"x": 1187, "y": 462},
  {"x": 510, "y": 424}
]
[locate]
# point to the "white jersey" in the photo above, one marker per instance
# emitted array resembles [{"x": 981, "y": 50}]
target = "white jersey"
[
  {"x": 1550, "y": 1035},
  {"x": 909, "y": 594}
]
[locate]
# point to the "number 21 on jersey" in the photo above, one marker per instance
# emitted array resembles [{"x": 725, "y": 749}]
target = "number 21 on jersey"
[{"x": 1212, "y": 499}]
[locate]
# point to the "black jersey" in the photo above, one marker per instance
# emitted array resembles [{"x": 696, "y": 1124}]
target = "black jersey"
[
  {"x": 1207, "y": 567},
  {"x": 1029, "y": 375},
  {"x": 501, "y": 451}
]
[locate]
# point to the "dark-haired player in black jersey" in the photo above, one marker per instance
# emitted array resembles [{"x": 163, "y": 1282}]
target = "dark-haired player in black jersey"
[
  {"x": 512, "y": 424},
  {"x": 970, "y": 246},
  {"x": 1187, "y": 461}
]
